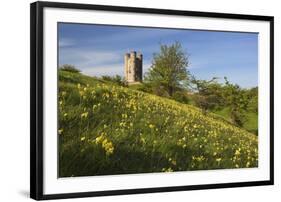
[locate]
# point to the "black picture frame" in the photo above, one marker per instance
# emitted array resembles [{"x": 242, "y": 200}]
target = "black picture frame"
[{"x": 36, "y": 98}]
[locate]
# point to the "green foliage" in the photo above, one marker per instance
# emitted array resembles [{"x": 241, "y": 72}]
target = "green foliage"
[
  {"x": 252, "y": 95},
  {"x": 116, "y": 79},
  {"x": 181, "y": 96},
  {"x": 70, "y": 68},
  {"x": 236, "y": 99},
  {"x": 168, "y": 71},
  {"x": 108, "y": 129},
  {"x": 250, "y": 122},
  {"x": 230, "y": 100},
  {"x": 208, "y": 94}
]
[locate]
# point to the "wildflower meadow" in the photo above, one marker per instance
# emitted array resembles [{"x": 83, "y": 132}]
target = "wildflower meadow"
[{"x": 107, "y": 129}]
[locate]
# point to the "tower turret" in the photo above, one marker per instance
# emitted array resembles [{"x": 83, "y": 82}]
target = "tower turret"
[
  {"x": 126, "y": 70},
  {"x": 133, "y": 67}
]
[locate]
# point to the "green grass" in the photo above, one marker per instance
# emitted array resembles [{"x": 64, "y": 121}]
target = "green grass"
[
  {"x": 251, "y": 119},
  {"x": 107, "y": 129},
  {"x": 251, "y": 123}
]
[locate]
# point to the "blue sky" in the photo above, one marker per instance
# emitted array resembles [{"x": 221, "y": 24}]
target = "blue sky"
[{"x": 99, "y": 50}]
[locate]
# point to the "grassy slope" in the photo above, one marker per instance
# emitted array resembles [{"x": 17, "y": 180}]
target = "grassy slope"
[
  {"x": 251, "y": 118},
  {"x": 108, "y": 129},
  {"x": 251, "y": 122}
]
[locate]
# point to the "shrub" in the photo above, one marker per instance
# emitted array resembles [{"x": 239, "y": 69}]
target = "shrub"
[
  {"x": 70, "y": 68},
  {"x": 181, "y": 96},
  {"x": 116, "y": 79}
]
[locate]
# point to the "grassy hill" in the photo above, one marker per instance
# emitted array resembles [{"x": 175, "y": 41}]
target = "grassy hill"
[
  {"x": 108, "y": 129},
  {"x": 251, "y": 118},
  {"x": 251, "y": 122}
]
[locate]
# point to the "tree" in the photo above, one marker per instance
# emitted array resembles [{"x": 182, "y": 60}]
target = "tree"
[
  {"x": 253, "y": 99},
  {"x": 237, "y": 100},
  {"x": 208, "y": 93},
  {"x": 168, "y": 70}
]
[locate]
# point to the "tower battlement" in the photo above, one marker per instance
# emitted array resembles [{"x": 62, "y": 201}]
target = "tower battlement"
[{"x": 133, "y": 67}]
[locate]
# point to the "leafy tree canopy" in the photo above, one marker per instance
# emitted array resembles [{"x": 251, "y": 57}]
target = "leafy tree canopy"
[{"x": 168, "y": 71}]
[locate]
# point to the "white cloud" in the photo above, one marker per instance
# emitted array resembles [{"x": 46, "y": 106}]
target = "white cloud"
[
  {"x": 146, "y": 65},
  {"x": 99, "y": 57},
  {"x": 198, "y": 64},
  {"x": 64, "y": 42},
  {"x": 111, "y": 69},
  {"x": 85, "y": 59}
]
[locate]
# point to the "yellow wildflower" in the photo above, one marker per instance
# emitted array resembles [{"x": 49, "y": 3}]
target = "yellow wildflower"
[
  {"x": 60, "y": 131},
  {"x": 218, "y": 159},
  {"x": 84, "y": 115},
  {"x": 151, "y": 126},
  {"x": 99, "y": 139}
]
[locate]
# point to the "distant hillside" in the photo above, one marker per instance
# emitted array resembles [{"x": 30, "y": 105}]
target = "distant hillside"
[{"x": 108, "y": 129}]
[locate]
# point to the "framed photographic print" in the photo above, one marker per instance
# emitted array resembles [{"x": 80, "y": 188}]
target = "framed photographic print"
[{"x": 131, "y": 100}]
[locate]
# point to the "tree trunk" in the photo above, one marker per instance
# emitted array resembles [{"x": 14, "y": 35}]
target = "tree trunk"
[{"x": 170, "y": 90}]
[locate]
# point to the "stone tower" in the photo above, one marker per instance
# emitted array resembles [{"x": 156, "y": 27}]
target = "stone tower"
[{"x": 133, "y": 67}]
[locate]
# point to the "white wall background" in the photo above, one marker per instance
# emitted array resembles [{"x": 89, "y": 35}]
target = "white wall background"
[{"x": 14, "y": 101}]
